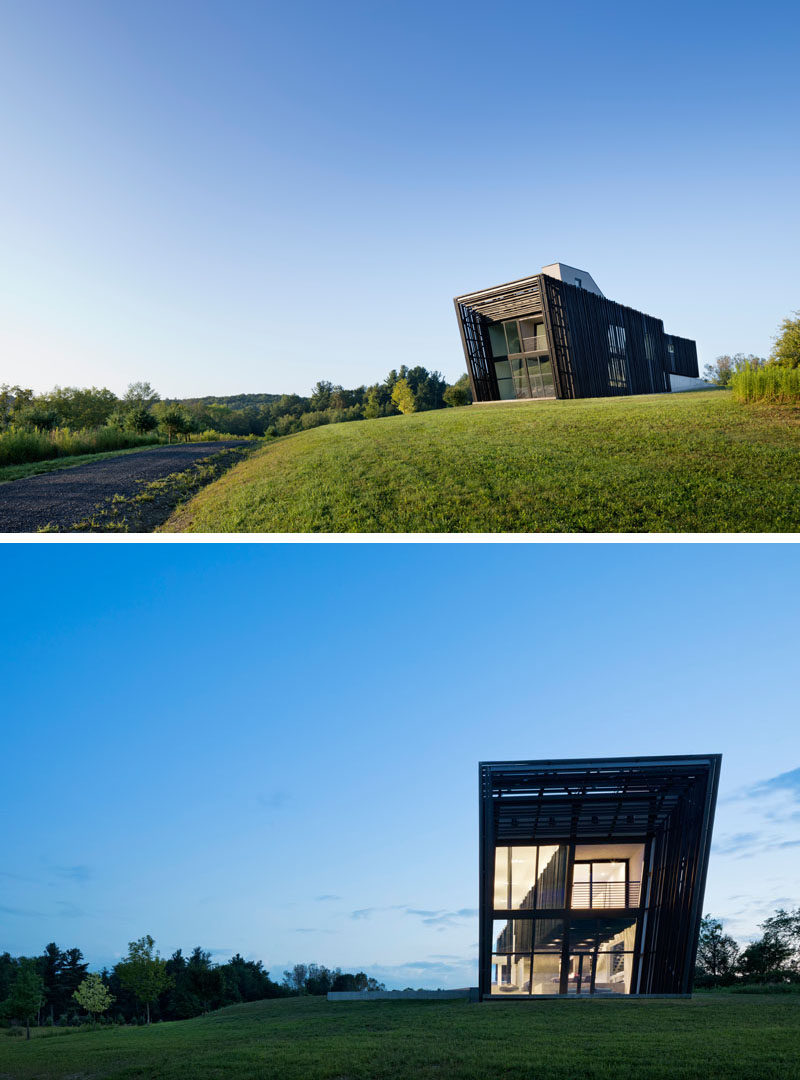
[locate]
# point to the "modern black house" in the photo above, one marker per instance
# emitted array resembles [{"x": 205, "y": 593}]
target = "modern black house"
[
  {"x": 554, "y": 335},
  {"x": 592, "y": 874}
]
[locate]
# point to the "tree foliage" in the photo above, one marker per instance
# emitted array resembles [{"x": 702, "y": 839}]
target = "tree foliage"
[
  {"x": 786, "y": 350},
  {"x": 459, "y": 393},
  {"x": 143, "y": 972},
  {"x": 316, "y": 979},
  {"x": 772, "y": 958},
  {"x": 140, "y": 419},
  {"x": 717, "y": 954},
  {"x": 174, "y": 421},
  {"x": 93, "y": 995},
  {"x": 725, "y": 367},
  {"x": 403, "y": 397},
  {"x": 27, "y": 993},
  {"x": 140, "y": 395}
]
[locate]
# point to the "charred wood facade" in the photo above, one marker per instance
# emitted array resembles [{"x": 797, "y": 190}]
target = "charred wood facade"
[
  {"x": 546, "y": 337},
  {"x": 592, "y": 874}
]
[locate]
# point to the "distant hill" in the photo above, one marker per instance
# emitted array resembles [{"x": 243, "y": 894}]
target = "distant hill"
[{"x": 233, "y": 401}]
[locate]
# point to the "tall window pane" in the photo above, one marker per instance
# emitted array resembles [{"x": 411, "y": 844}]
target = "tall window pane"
[
  {"x": 497, "y": 340},
  {"x": 502, "y": 878},
  {"x": 512, "y": 337},
  {"x": 552, "y": 883},
  {"x": 546, "y": 973},
  {"x": 523, "y": 876},
  {"x": 511, "y": 974},
  {"x": 613, "y": 972}
]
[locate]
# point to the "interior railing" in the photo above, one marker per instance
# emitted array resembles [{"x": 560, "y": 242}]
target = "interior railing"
[{"x": 605, "y": 894}]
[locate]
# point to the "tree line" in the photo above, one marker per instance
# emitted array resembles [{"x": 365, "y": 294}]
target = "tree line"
[
  {"x": 57, "y": 987},
  {"x": 785, "y": 354},
  {"x": 142, "y": 410},
  {"x": 773, "y": 958}
]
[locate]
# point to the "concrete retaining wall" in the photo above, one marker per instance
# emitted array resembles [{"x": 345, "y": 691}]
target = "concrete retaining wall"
[
  {"x": 469, "y": 993},
  {"x": 680, "y": 383}
]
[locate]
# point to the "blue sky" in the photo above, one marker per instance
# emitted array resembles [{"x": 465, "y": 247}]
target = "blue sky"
[
  {"x": 250, "y": 197},
  {"x": 274, "y": 748}
]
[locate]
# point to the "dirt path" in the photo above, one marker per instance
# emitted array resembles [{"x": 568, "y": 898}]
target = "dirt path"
[{"x": 70, "y": 495}]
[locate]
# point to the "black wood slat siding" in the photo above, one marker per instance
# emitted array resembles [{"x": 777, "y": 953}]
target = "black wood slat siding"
[
  {"x": 683, "y": 360},
  {"x": 588, "y": 348},
  {"x": 475, "y": 339}
]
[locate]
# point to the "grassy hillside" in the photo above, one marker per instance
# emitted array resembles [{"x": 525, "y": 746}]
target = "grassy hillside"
[
  {"x": 696, "y": 462},
  {"x": 722, "y": 1036}
]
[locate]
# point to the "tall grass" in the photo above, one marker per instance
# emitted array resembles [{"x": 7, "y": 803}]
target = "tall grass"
[
  {"x": 214, "y": 436},
  {"x": 18, "y": 446},
  {"x": 771, "y": 384}
]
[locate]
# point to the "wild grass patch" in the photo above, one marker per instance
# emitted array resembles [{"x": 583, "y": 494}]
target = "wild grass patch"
[
  {"x": 771, "y": 384},
  {"x": 19, "y": 446}
]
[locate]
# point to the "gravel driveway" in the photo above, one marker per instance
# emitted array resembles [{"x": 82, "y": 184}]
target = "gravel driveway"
[{"x": 69, "y": 495}]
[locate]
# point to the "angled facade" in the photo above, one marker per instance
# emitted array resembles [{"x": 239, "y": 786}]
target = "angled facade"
[
  {"x": 554, "y": 335},
  {"x": 592, "y": 874}
]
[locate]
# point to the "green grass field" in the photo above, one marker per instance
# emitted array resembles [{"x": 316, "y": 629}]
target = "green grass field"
[
  {"x": 697, "y": 462},
  {"x": 711, "y": 1037}
]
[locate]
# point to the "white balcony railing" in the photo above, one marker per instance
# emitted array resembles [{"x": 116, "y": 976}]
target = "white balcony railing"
[{"x": 605, "y": 894}]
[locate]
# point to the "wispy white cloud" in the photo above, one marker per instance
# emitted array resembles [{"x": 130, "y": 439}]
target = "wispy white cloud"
[{"x": 75, "y": 873}]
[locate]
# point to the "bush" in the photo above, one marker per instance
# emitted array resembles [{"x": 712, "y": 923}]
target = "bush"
[{"x": 771, "y": 384}]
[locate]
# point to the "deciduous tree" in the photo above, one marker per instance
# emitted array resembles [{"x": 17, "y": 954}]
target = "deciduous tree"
[
  {"x": 93, "y": 996},
  {"x": 403, "y": 397},
  {"x": 717, "y": 953},
  {"x": 786, "y": 350},
  {"x": 143, "y": 972},
  {"x": 140, "y": 394},
  {"x": 141, "y": 420},
  {"x": 27, "y": 994},
  {"x": 175, "y": 422}
]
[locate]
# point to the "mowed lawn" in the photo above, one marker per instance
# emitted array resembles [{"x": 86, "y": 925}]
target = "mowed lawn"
[
  {"x": 697, "y": 462},
  {"x": 724, "y": 1037}
]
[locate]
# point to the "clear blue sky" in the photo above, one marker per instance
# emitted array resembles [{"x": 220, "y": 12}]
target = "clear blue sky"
[
  {"x": 274, "y": 749},
  {"x": 227, "y": 197}
]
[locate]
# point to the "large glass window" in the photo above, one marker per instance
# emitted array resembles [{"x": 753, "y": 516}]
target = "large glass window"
[
  {"x": 600, "y": 883},
  {"x": 511, "y": 974},
  {"x": 546, "y": 371},
  {"x": 601, "y": 934},
  {"x": 546, "y": 973},
  {"x": 526, "y": 956},
  {"x": 515, "y": 342},
  {"x": 512, "y": 337},
  {"x": 505, "y": 383},
  {"x": 532, "y": 334},
  {"x": 530, "y": 877},
  {"x": 613, "y": 971},
  {"x": 497, "y": 340}
]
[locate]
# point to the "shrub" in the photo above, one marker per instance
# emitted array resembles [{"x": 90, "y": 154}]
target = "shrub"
[{"x": 771, "y": 384}]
